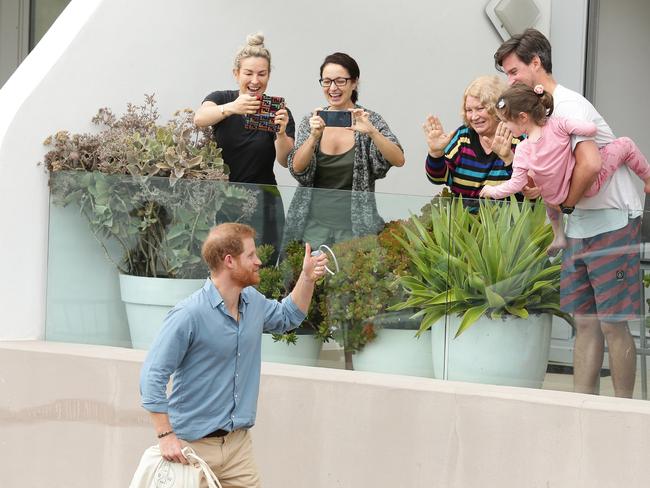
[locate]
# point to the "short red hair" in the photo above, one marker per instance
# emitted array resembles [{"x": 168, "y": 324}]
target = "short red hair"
[{"x": 223, "y": 240}]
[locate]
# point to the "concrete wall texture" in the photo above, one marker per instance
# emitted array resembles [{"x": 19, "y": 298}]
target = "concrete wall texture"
[{"x": 70, "y": 416}]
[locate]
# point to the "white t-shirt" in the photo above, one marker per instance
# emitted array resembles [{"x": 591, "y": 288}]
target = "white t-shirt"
[{"x": 618, "y": 198}]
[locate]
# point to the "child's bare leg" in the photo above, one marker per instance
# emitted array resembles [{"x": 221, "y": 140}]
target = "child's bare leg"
[
  {"x": 621, "y": 151},
  {"x": 559, "y": 238}
]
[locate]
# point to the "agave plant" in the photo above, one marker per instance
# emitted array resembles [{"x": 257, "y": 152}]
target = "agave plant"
[{"x": 491, "y": 262}]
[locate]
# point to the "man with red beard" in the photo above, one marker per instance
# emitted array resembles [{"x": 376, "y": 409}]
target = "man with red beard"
[{"x": 211, "y": 342}]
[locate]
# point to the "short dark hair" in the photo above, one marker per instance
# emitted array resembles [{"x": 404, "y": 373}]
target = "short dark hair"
[
  {"x": 222, "y": 240},
  {"x": 349, "y": 64},
  {"x": 526, "y": 46}
]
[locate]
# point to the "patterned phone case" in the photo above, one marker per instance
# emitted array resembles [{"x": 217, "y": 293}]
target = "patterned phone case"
[{"x": 263, "y": 119}]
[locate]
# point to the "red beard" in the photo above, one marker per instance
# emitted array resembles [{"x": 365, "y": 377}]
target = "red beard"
[{"x": 244, "y": 277}]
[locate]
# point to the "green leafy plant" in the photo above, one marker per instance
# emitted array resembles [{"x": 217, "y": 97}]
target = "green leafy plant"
[
  {"x": 155, "y": 190},
  {"x": 356, "y": 298},
  {"x": 490, "y": 263},
  {"x": 277, "y": 281}
]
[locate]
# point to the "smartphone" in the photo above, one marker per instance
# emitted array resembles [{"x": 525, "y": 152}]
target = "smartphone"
[
  {"x": 336, "y": 118},
  {"x": 263, "y": 118},
  {"x": 270, "y": 105}
]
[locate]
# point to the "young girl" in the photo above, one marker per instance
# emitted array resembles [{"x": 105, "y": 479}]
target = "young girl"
[{"x": 547, "y": 154}]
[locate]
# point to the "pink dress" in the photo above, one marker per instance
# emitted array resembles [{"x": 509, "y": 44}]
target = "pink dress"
[{"x": 550, "y": 161}]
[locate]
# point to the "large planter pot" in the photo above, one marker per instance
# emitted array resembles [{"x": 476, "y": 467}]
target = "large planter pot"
[
  {"x": 508, "y": 351},
  {"x": 396, "y": 349},
  {"x": 304, "y": 352},
  {"x": 147, "y": 301},
  {"x": 83, "y": 296}
]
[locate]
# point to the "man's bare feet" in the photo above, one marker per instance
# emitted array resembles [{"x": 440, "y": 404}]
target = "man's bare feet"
[{"x": 559, "y": 243}]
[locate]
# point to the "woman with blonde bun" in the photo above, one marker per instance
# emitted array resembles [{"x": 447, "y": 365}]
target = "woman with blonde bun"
[{"x": 251, "y": 154}]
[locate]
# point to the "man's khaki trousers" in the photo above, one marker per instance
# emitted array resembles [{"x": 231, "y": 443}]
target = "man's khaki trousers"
[{"x": 231, "y": 459}]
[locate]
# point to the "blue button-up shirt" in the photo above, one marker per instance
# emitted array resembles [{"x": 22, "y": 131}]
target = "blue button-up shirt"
[{"x": 215, "y": 361}]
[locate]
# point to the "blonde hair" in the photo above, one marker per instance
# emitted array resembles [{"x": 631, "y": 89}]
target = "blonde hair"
[
  {"x": 254, "y": 48},
  {"x": 487, "y": 89}
]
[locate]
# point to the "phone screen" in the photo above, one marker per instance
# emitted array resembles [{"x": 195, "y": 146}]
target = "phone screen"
[{"x": 336, "y": 118}]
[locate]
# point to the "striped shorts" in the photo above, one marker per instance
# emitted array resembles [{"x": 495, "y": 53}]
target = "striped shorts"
[{"x": 601, "y": 277}]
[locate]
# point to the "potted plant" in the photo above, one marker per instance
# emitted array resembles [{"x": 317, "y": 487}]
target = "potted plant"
[
  {"x": 149, "y": 193},
  {"x": 302, "y": 345},
  {"x": 355, "y": 307},
  {"x": 483, "y": 280}
]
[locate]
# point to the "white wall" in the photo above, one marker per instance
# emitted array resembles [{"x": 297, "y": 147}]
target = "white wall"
[
  {"x": 72, "y": 419},
  {"x": 622, "y": 74},
  {"x": 568, "y": 38},
  {"x": 45, "y": 94},
  {"x": 415, "y": 58}
]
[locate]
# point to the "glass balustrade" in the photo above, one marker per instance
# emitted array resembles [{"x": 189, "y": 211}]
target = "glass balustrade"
[{"x": 436, "y": 287}]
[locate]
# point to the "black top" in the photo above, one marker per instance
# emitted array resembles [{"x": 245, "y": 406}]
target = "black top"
[{"x": 250, "y": 154}]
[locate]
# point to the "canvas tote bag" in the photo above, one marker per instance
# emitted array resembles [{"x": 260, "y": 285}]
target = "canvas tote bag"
[{"x": 154, "y": 472}]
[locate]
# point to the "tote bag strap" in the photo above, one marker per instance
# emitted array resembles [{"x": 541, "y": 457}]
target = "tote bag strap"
[{"x": 213, "y": 481}]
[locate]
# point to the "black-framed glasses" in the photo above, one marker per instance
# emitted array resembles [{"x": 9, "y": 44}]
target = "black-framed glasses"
[{"x": 340, "y": 82}]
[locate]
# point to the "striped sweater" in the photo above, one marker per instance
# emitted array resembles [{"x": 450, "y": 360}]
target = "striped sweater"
[{"x": 465, "y": 167}]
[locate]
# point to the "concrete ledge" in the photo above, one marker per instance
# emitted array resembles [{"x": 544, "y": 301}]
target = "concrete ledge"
[{"x": 74, "y": 410}]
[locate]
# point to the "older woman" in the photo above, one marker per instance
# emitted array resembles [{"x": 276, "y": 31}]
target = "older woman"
[
  {"x": 478, "y": 153},
  {"x": 339, "y": 158},
  {"x": 251, "y": 154}
]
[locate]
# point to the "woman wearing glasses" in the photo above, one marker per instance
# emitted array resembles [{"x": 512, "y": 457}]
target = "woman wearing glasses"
[{"x": 339, "y": 160}]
